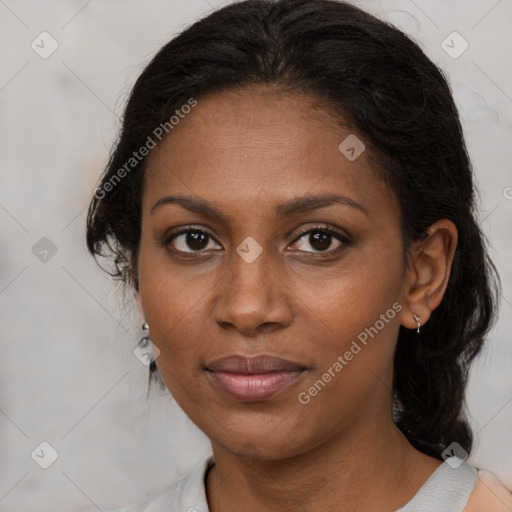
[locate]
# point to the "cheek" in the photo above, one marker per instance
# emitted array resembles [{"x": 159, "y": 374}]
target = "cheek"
[
  {"x": 170, "y": 300},
  {"x": 355, "y": 316},
  {"x": 344, "y": 301},
  {"x": 354, "y": 352},
  {"x": 175, "y": 314}
]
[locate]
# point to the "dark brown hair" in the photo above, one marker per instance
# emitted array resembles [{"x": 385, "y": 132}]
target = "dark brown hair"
[{"x": 378, "y": 80}]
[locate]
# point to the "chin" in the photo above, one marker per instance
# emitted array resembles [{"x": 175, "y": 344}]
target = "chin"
[{"x": 261, "y": 446}]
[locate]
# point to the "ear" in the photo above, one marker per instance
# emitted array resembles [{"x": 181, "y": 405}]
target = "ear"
[{"x": 429, "y": 265}]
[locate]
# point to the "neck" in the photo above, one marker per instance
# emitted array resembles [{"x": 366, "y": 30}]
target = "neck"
[{"x": 365, "y": 469}]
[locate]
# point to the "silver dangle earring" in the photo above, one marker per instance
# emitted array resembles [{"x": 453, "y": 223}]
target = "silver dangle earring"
[
  {"x": 417, "y": 319},
  {"x": 145, "y": 340},
  {"x": 146, "y": 351}
]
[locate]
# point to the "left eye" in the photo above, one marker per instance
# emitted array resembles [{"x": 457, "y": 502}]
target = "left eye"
[{"x": 320, "y": 239}]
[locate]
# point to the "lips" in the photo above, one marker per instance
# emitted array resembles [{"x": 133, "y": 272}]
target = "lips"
[
  {"x": 251, "y": 365},
  {"x": 252, "y": 379}
]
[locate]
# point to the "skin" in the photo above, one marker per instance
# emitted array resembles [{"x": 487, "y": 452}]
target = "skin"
[
  {"x": 489, "y": 494},
  {"x": 245, "y": 152}
]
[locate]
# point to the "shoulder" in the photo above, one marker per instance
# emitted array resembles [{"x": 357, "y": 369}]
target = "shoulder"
[
  {"x": 187, "y": 493},
  {"x": 489, "y": 494}
]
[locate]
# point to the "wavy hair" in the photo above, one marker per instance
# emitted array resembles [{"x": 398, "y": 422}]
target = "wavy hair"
[{"x": 383, "y": 86}]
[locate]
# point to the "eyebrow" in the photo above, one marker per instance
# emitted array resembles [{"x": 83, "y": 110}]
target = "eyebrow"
[{"x": 302, "y": 204}]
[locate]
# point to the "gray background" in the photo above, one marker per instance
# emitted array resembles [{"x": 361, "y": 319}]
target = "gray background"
[{"x": 68, "y": 375}]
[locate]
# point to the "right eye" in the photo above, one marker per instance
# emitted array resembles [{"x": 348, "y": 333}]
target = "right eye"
[{"x": 190, "y": 240}]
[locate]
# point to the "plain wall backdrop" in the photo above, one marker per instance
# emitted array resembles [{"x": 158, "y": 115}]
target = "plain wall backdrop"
[{"x": 68, "y": 373}]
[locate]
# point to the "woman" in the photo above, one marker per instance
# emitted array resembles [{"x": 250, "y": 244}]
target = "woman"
[{"x": 292, "y": 202}]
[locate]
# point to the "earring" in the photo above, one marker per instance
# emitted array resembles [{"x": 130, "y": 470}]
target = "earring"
[
  {"x": 417, "y": 318},
  {"x": 146, "y": 351},
  {"x": 145, "y": 340}
]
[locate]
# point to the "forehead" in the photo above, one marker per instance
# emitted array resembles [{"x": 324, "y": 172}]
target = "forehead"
[{"x": 258, "y": 146}]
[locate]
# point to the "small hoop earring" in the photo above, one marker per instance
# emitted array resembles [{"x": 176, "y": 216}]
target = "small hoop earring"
[{"x": 417, "y": 319}]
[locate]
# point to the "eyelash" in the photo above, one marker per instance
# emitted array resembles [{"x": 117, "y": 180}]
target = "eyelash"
[{"x": 340, "y": 236}]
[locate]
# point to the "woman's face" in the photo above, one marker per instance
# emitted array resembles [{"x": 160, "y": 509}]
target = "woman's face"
[{"x": 250, "y": 278}]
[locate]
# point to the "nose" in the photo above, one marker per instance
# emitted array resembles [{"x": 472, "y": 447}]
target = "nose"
[{"x": 254, "y": 297}]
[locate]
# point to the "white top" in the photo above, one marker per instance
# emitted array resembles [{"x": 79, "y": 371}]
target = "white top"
[{"x": 447, "y": 489}]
